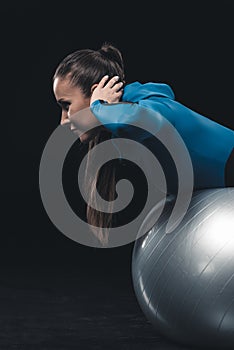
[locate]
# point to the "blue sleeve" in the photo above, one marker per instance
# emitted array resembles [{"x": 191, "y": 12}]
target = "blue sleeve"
[
  {"x": 209, "y": 143},
  {"x": 121, "y": 119}
]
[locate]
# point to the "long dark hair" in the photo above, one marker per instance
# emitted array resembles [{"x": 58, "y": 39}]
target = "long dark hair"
[{"x": 84, "y": 68}]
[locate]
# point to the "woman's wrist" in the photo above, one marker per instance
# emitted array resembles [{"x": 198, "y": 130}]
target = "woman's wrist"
[{"x": 97, "y": 102}]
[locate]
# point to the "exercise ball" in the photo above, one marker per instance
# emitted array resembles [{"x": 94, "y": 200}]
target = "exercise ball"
[{"x": 184, "y": 280}]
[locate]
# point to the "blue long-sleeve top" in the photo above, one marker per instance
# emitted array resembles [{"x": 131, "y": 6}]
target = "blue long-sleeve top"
[{"x": 208, "y": 142}]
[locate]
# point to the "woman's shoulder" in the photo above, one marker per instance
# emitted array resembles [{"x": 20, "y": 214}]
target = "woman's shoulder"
[{"x": 137, "y": 91}]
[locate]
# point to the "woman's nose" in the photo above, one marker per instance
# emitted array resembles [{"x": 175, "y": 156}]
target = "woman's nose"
[{"x": 64, "y": 119}]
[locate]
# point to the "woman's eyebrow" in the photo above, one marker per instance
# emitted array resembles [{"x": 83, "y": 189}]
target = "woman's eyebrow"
[{"x": 61, "y": 101}]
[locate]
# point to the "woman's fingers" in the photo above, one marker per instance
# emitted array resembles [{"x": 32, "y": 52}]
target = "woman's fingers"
[
  {"x": 118, "y": 86},
  {"x": 116, "y": 96},
  {"x": 103, "y": 81},
  {"x": 112, "y": 82},
  {"x": 109, "y": 91}
]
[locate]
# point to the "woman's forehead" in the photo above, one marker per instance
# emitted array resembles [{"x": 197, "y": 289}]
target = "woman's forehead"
[{"x": 63, "y": 87}]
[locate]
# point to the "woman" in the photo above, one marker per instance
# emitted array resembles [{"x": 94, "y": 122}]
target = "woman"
[{"x": 96, "y": 79}]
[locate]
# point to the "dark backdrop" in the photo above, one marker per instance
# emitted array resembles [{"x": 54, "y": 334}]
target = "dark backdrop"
[
  {"x": 54, "y": 292},
  {"x": 187, "y": 44}
]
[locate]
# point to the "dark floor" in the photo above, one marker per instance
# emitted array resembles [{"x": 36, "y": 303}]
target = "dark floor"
[
  {"x": 59, "y": 295},
  {"x": 53, "y": 308}
]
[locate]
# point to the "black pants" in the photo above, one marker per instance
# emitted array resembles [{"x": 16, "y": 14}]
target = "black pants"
[{"x": 229, "y": 171}]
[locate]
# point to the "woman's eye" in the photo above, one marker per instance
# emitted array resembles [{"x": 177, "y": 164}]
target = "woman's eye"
[{"x": 66, "y": 106}]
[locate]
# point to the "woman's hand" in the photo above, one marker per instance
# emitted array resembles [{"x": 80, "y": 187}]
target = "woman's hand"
[{"x": 110, "y": 92}]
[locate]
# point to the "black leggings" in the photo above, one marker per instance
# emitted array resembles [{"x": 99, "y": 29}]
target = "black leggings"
[{"x": 229, "y": 171}]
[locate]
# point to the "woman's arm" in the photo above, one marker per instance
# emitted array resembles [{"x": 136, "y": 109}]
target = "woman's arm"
[
  {"x": 121, "y": 118},
  {"x": 128, "y": 119}
]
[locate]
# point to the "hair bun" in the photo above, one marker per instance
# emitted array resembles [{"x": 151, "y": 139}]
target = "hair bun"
[{"x": 112, "y": 53}]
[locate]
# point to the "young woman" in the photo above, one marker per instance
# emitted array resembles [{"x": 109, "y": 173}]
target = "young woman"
[{"x": 96, "y": 79}]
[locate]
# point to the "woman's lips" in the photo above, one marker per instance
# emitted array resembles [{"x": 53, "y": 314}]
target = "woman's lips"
[{"x": 75, "y": 129}]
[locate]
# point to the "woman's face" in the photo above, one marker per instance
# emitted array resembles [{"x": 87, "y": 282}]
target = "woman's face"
[{"x": 71, "y": 100}]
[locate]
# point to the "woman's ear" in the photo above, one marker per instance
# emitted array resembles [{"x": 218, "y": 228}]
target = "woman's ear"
[{"x": 93, "y": 88}]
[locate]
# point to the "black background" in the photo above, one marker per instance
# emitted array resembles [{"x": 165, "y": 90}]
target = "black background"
[{"x": 187, "y": 44}]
